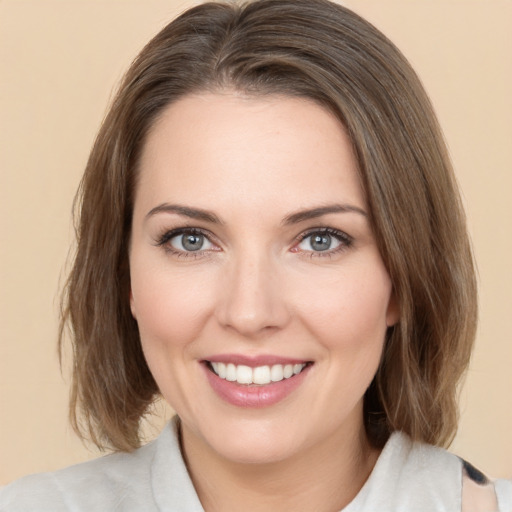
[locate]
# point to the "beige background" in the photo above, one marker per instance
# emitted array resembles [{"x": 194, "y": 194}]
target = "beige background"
[{"x": 59, "y": 60}]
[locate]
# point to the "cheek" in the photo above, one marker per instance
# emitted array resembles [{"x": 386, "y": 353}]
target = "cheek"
[
  {"x": 170, "y": 308},
  {"x": 349, "y": 311}
]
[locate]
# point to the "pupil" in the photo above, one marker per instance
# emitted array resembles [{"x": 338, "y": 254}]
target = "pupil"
[
  {"x": 321, "y": 242},
  {"x": 192, "y": 242}
]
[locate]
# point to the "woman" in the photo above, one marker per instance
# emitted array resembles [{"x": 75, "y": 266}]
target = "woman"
[{"x": 271, "y": 238}]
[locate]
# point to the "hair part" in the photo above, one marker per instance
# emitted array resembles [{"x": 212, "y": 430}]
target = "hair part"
[{"x": 313, "y": 49}]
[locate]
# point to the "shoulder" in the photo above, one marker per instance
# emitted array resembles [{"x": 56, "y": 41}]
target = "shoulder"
[
  {"x": 114, "y": 482},
  {"x": 420, "y": 477},
  {"x": 152, "y": 478},
  {"x": 474, "y": 491},
  {"x": 479, "y": 493},
  {"x": 428, "y": 474}
]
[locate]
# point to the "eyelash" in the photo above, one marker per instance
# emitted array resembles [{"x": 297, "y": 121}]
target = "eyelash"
[
  {"x": 164, "y": 239},
  {"x": 345, "y": 241}
]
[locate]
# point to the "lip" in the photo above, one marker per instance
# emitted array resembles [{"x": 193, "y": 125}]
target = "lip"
[
  {"x": 254, "y": 396},
  {"x": 253, "y": 361}
]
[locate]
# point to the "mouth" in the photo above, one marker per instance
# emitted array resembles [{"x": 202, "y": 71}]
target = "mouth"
[
  {"x": 255, "y": 382},
  {"x": 258, "y": 375}
]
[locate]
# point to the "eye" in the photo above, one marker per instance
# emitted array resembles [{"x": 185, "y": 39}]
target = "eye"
[
  {"x": 325, "y": 240},
  {"x": 319, "y": 242},
  {"x": 186, "y": 242},
  {"x": 190, "y": 242}
]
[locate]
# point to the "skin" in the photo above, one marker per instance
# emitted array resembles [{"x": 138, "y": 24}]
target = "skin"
[{"x": 257, "y": 286}]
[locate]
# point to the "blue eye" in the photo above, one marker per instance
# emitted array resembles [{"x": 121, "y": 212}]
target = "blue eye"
[
  {"x": 190, "y": 241},
  {"x": 319, "y": 242},
  {"x": 323, "y": 240}
]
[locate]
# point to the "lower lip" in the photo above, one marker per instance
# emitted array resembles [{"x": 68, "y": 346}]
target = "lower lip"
[{"x": 254, "y": 396}]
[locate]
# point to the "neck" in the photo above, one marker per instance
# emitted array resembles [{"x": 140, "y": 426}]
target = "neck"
[{"x": 325, "y": 477}]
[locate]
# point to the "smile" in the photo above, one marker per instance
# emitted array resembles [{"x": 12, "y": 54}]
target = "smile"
[
  {"x": 257, "y": 381},
  {"x": 259, "y": 375}
]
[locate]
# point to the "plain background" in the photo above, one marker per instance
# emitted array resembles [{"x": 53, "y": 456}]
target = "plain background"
[{"x": 59, "y": 62}]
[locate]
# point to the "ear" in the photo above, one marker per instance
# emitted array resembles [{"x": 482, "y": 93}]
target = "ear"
[
  {"x": 393, "y": 311},
  {"x": 132, "y": 306}
]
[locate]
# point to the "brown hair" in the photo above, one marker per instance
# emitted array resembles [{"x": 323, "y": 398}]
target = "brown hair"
[{"x": 306, "y": 48}]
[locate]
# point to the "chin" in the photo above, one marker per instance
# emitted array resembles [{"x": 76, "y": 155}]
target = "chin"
[
  {"x": 250, "y": 441},
  {"x": 246, "y": 450}
]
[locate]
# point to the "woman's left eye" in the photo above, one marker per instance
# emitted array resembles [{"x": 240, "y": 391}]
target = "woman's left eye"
[{"x": 327, "y": 241}]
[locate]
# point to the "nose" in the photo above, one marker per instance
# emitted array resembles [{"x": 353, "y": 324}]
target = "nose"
[{"x": 252, "y": 300}]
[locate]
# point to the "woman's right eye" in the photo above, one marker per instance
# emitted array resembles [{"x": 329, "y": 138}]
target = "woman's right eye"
[
  {"x": 190, "y": 242},
  {"x": 185, "y": 241}
]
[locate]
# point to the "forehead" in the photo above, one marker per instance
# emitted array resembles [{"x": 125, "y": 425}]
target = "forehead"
[{"x": 229, "y": 147}]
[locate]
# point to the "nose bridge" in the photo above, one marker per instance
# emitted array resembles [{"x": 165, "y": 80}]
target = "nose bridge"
[{"x": 251, "y": 301}]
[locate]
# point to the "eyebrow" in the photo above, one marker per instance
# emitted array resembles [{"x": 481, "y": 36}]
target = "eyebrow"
[
  {"x": 186, "y": 211},
  {"x": 293, "y": 218},
  {"x": 314, "y": 213}
]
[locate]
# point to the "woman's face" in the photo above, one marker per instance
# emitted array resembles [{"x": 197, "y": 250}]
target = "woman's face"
[{"x": 261, "y": 298}]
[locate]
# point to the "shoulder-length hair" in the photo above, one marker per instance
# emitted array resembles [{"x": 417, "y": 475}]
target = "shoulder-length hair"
[{"x": 305, "y": 48}]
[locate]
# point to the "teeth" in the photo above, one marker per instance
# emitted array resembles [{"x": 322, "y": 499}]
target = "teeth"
[
  {"x": 260, "y": 375},
  {"x": 231, "y": 372},
  {"x": 288, "y": 371},
  {"x": 276, "y": 373},
  {"x": 244, "y": 374}
]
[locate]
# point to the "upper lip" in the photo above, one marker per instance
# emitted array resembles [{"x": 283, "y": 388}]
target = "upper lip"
[{"x": 254, "y": 361}]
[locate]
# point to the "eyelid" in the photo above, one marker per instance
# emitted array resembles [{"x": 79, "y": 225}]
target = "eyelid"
[
  {"x": 166, "y": 235},
  {"x": 345, "y": 241}
]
